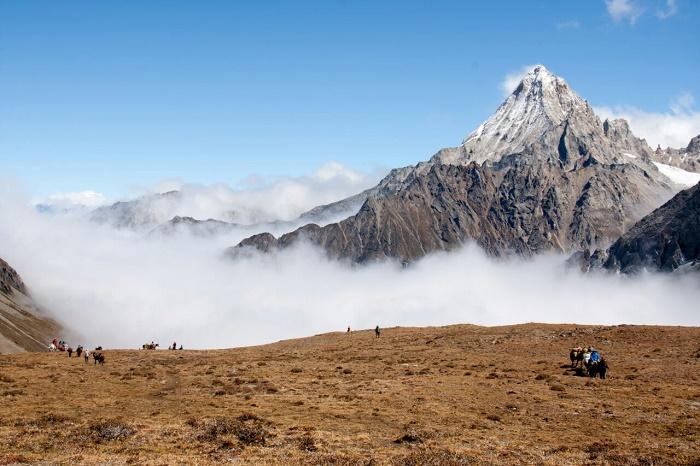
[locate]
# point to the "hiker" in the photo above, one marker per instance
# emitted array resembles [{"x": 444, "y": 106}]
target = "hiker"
[
  {"x": 602, "y": 367},
  {"x": 586, "y": 356},
  {"x": 78, "y": 351},
  {"x": 376, "y": 331},
  {"x": 86, "y": 355},
  {"x": 174, "y": 347},
  {"x": 70, "y": 351},
  {"x": 348, "y": 329},
  {"x": 180, "y": 346}
]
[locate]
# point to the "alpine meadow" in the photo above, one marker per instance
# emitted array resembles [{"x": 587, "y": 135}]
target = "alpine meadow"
[{"x": 369, "y": 233}]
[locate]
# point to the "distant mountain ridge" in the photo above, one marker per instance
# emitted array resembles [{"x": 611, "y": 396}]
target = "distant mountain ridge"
[
  {"x": 687, "y": 158},
  {"x": 551, "y": 176}
]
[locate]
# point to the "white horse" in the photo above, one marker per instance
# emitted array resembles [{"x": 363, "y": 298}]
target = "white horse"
[{"x": 52, "y": 348}]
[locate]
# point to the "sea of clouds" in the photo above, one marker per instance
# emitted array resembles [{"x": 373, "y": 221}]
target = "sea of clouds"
[{"x": 121, "y": 288}]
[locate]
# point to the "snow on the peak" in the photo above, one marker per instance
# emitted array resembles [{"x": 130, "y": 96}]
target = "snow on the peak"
[
  {"x": 632, "y": 156},
  {"x": 540, "y": 102},
  {"x": 476, "y": 134},
  {"x": 678, "y": 175}
]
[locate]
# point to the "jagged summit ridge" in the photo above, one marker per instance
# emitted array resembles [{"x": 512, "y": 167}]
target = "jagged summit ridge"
[{"x": 541, "y": 102}]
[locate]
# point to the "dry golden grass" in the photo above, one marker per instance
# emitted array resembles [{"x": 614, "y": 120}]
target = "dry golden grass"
[{"x": 416, "y": 396}]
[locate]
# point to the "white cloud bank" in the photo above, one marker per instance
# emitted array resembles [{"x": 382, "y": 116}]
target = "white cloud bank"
[
  {"x": 120, "y": 289},
  {"x": 256, "y": 200},
  {"x": 68, "y": 201}
]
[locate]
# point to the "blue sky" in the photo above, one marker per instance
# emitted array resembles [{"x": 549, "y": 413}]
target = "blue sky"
[{"x": 109, "y": 95}]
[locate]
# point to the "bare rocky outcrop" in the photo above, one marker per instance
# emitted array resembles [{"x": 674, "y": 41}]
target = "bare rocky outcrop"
[
  {"x": 10, "y": 279},
  {"x": 543, "y": 173},
  {"x": 665, "y": 240},
  {"x": 23, "y": 327},
  {"x": 687, "y": 158}
]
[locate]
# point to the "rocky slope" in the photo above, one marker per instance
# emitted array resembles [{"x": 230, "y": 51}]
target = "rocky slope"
[
  {"x": 529, "y": 209},
  {"x": 687, "y": 158},
  {"x": 542, "y": 173},
  {"x": 23, "y": 327},
  {"x": 665, "y": 240}
]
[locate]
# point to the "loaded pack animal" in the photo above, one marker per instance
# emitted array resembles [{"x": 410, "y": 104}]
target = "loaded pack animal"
[
  {"x": 57, "y": 345},
  {"x": 576, "y": 356},
  {"x": 99, "y": 358},
  {"x": 150, "y": 346},
  {"x": 598, "y": 366}
]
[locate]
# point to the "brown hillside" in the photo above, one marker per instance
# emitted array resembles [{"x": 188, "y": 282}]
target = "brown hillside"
[{"x": 453, "y": 395}]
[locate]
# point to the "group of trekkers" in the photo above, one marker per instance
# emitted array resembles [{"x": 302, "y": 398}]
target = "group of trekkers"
[
  {"x": 174, "y": 346},
  {"x": 60, "y": 345},
  {"x": 377, "y": 331},
  {"x": 590, "y": 360},
  {"x": 153, "y": 346}
]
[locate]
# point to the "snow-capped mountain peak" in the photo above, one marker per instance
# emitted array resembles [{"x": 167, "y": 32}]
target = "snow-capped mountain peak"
[{"x": 539, "y": 103}]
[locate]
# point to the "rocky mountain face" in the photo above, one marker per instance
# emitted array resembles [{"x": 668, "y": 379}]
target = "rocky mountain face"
[
  {"x": 688, "y": 158},
  {"x": 665, "y": 240},
  {"x": 23, "y": 327},
  {"x": 542, "y": 173}
]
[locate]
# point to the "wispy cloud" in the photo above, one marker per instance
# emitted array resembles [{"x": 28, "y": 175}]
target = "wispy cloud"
[
  {"x": 673, "y": 128},
  {"x": 671, "y": 10},
  {"x": 624, "y": 10},
  {"x": 67, "y": 201},
  {"x": 570, "y": 24},
  {"x": 512, "y": 79}
]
